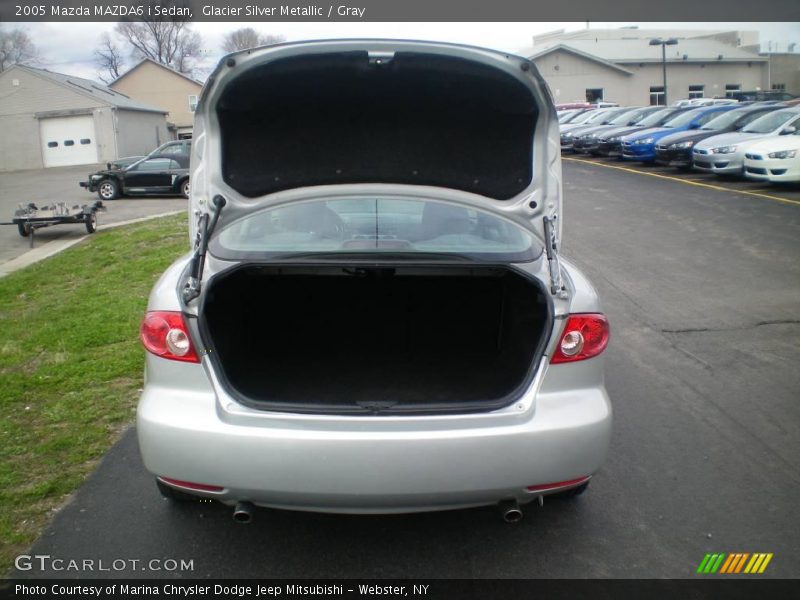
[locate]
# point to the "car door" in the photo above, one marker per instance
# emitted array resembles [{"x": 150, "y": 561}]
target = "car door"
[{"x": 149, "y": 176}]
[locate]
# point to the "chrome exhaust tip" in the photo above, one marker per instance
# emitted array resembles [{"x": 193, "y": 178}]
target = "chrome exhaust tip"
[
  {"x": 243, "y": 512},
  {"x": 510, "y": 511}
]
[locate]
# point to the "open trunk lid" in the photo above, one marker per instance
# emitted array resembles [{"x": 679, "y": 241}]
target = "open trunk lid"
[{"x": 469, "y": 126}]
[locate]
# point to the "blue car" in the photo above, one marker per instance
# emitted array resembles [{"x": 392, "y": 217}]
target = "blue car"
[{"x": 641, "y": 146}]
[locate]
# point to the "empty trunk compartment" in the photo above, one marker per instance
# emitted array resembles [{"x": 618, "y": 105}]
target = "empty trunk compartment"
[{"x": 375, "y": 339}]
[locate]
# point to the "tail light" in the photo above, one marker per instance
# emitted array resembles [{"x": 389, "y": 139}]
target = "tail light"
[
  {"x": 585, "y": 335},
  {"x": 165, "y": 334}
]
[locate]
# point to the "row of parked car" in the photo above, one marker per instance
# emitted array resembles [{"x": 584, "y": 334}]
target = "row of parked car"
[{"x": 758, "y": 140}]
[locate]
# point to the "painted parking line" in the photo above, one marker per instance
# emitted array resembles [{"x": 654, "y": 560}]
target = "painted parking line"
[{"x": 686, "y": 181}]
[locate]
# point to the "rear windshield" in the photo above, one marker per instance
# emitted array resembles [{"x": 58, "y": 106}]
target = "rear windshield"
[{"x": 368, "y": 225}]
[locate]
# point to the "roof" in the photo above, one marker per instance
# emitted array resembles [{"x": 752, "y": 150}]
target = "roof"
[
  {"x": 622, "y": 51},
  {"x": 158, "y": 64},
  {"x": 586, "y": 55},
  {"x": 93, "y": 89}
]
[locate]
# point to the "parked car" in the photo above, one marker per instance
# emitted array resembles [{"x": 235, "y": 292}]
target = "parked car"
[
  {"x": 774, "y": 159},
  {"x": 610, "y": 142},
  {"x": 695, "y": 102},
  {"x": 604, "y": 116},
  {"x": 574, "y": 105},
  {"x": 757, "y": 95},
  {"x": 676, "y": 150},
  {"x": 182, "y": 147},
  {"x": 588, "y": 139},
  {"x": 382, "y": 322},
  {"x": 641, "y": 146},
  {"x": 724, "y": 154},
  {"x": 159, "y": 175}
]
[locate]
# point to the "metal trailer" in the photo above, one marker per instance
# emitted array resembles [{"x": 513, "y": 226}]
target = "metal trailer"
[{"x": 28, "y": 218}]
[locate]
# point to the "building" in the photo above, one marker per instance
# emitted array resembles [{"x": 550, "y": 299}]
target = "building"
[
  {"x": 620, "y": 65},
  {"x": 157, "y": 84},
  {"x": 49, "y": 119}
]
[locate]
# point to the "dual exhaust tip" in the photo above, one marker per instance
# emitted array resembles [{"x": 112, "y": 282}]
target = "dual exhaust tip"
[{"x": 509, "y": 510}]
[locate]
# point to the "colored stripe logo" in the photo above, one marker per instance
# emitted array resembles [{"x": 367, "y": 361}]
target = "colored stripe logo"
[{"x": 734, "y": 563}]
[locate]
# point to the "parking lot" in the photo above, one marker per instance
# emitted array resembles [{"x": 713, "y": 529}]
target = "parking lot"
[
  {"x": 49, "y": 186},
  {"x": 789, "y": 193},
  {"x": 701, "y": 288}
]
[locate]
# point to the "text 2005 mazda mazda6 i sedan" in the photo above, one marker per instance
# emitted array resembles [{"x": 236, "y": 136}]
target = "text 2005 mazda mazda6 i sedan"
[{"x": 375, "y": 317}]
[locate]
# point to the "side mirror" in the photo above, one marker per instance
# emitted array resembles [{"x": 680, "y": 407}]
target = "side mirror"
[
  {"x": 108, "y": 166},
  {"x": 788, "y": 130}
]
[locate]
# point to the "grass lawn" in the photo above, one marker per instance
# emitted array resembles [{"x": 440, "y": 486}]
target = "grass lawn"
[{"x": 71, "y": 366}]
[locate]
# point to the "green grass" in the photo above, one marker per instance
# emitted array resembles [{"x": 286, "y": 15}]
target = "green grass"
[{"x": 71, "y": 366}]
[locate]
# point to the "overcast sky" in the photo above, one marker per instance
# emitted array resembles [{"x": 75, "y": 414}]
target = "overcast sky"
[{"x": 68, "y": 47}]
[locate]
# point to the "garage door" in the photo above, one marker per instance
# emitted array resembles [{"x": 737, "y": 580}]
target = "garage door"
[{"x": 68, "y": 141}]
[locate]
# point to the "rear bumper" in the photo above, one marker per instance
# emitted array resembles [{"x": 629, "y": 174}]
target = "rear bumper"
[{"x": 376, "y": 464}]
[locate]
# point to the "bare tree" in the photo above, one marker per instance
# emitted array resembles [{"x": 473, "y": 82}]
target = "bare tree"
[
  {"x": 247, "y": 37},
  {"x": 16, "y": 47},
  {"x": 169, "y": 42},
  {"x": 109, "y": 58}
]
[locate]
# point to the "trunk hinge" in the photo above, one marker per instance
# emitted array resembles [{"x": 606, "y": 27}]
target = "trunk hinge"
[
  {"x": 551, "y": 248},
  {"x": 204, "y": 230}
]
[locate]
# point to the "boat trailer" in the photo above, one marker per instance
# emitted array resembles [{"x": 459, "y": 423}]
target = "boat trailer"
[{"x": 28, "y": 218}]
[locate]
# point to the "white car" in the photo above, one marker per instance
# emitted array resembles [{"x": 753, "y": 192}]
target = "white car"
[
  {"x": 695, "y": 102},
  {"x": 724, "y": 154},
  {"x": 774, "y": 159},
  {"x": 375, "y": 317}
]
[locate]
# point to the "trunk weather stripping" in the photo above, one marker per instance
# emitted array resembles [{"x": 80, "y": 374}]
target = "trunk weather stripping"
[
  {"x": 204, "y": 230},
  {"x": 551, "y": 247}
]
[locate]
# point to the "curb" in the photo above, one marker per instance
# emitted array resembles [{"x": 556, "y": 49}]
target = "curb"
[{"x": 52, "y": 248}]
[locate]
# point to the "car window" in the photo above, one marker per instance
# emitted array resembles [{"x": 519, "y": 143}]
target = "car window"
[
  {"x": 584, "y": 117},
  {"x": 625, "y": 117},
  {"x": 657, "y": 118},
  {"x": 376, "y": 225},
  {"x": 684, "y": 118},
  {"x": 174, "y": 149},
  {"x": 153, "y": 164},
  {"x": 769, "y": 122},
  {"x": 738, "y": 117},
  {"x": 709, "y": 116}
]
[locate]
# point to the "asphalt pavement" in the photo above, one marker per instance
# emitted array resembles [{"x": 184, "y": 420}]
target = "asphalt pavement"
[
  {"x": 702, "y": 289},
  {"x": 60, "y": 184}
]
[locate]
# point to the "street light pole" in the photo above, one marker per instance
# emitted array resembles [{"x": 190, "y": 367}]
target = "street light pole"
[{"x": 664, "y": 44}]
